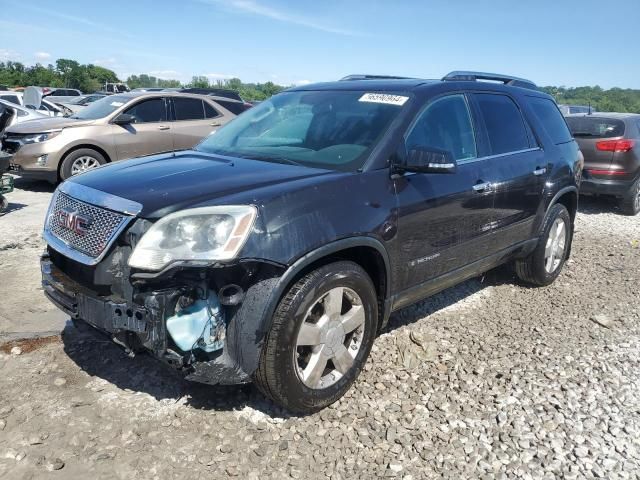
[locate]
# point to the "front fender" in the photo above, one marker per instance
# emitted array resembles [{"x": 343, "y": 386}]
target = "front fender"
[{"x": 250, "y": 324}]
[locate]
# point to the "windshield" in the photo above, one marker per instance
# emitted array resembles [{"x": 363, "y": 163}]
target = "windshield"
[
  {"x": 101, "y": 108},
  {"x": 323, "y": 129}
]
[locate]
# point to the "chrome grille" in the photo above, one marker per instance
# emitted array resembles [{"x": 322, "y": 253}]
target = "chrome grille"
[{"x": 95, "y": 236}]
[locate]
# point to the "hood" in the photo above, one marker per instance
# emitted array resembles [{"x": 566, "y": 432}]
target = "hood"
[
  {"x": 48, "y": 123},
  {"x": 166, "y": 183}
]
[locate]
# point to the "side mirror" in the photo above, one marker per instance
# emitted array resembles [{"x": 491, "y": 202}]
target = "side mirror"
[
  {"x": 124, "y": 119},
  {"x": 430, "y": 160}
]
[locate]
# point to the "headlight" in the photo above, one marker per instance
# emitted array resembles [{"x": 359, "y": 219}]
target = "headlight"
[
  {"x": 197, "y": 234},
  {"x": 40, "y": 137}
]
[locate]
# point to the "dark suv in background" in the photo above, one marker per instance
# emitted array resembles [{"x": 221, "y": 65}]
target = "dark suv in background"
[
  {"x": 276, "y": 249},
  {"x": 610, "y": 143}
]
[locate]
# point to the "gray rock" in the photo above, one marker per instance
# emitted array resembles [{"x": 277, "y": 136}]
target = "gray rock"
[{"x": 602, "y": 320}]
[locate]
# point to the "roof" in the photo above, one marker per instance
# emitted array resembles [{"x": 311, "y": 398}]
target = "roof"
[
  {"x": 363, "y": 82},
  {"x": 379, "y": 85},
  {"x": 132, "y": 95},
  {"x": 620, "y": 115}
]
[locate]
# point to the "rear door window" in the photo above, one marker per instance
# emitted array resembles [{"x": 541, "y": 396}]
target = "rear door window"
[
  {"x": 503, "y": 122},
  {"x": 595, "y": 127},
  {"x": 188, "y": 108},
  {"x": 548, "y": 115},
  {"x": 149, "y": 111}
]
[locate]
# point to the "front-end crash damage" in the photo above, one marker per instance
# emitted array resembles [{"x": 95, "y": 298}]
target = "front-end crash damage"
[{"x": 207, "y": 321}]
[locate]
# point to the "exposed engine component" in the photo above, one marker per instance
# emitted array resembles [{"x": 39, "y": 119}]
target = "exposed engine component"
[
  {"x": 231, "y": 295},
  {"x": 198, "y": 323}
]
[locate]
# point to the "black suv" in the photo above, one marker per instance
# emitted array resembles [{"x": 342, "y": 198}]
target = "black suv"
[{"x": 275, "y": 251}]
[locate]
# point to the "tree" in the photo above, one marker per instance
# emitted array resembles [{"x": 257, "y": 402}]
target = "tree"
[{"x": 199, "y": 82}]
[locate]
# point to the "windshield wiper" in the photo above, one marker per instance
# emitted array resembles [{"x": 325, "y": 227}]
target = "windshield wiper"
[{"x": 267, "y": 158}]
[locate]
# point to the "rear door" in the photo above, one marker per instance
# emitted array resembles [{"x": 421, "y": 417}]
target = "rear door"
[
  {"x": 444, "y": 220},
  {"x": 193, "y": 119},
  {"x": 516, "y": 164},
  {"x": 151, "y": 133}
]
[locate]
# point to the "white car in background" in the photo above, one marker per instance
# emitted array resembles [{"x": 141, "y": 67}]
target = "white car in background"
[
  {"x": 45, "y": 107},
  {"x": 78, "y": 103},
  {"x": 60, "y": 95},
  {"x": 10, "y": 114}
]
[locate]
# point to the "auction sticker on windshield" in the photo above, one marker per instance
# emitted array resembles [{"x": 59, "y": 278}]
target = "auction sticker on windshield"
[
  {"x": 383, "y": 98},
  {"x": 117, "y": 104}
]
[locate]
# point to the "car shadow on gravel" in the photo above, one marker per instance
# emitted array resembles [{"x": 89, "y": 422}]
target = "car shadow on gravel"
[
  {"x": 12, "y": 207},
  {"x": 99, "y": 357},
  {"x": 411, "y": 314},
  {"x": 33, "y": 185},
  {"x": 592, "y": 205}
]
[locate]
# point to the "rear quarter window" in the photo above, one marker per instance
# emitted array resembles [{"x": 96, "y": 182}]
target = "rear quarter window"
[
  {"x": 596, "y": 127},
  {"x": 234, "y": 107},
  {"x": 550, "y": 118}
]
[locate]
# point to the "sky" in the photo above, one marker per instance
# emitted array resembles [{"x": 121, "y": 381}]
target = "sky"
[{"x": 561, "y": 42}]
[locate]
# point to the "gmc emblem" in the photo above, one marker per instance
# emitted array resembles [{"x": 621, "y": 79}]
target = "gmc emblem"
[{"x": 72, "y": 220}]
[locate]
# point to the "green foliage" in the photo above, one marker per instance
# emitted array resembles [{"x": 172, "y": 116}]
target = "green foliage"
[
  {"x": 65, "y": 73},
  {"x": 613, "y": 100},
  {"x": 248, "y": 91},
  {"x": 89, "y": 78},
  {"x": 148, "y": 81}
]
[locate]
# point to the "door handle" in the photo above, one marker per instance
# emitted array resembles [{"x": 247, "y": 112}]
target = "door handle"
[
  {"x": 163, "y": 127},
  {"x": 216, "y": 124},
  {"x": 540, "y": 171},
  {"x": 482, "y": 187}
]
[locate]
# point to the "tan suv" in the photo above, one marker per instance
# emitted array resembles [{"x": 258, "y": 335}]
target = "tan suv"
[{"x": 116, "y": 127}]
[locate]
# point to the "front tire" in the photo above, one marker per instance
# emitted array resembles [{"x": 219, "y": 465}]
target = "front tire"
[
  {"x": 321, "y": 336},
  {"x": 630, "y": 203},
  {"x": 80, "y": 161},
  {"x": 545, "y": 263}
]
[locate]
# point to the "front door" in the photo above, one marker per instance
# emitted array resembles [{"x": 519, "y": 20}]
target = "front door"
[
  {"x": 444, "y": 220},
  {"x": 149, "y": 134}
]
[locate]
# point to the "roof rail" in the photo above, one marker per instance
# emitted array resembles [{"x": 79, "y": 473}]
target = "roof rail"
[
  {"x": 463, "y": 76},
  {"x": 365, "y": 76}
]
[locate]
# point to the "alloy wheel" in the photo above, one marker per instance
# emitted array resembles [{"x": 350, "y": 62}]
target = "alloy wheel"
[
  {"x": 556, "y": 245},
  {"x": 330, "y": 338},
  {"x": 84, "y": 163}
]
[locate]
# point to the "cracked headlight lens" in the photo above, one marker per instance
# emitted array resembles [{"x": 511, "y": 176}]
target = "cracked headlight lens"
[{"x": 198, "y": 234}]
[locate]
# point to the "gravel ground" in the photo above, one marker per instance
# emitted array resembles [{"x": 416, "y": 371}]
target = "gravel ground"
[{"x": 486, "y": 380}]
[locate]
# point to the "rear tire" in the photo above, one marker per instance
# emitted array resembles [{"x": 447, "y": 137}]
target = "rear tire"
[
  {"x": 80, "y": 161},
  {"x": 327, "y": 319},
  {"x": 545, "y": 263},
  {"x": 630, "y": 203}
]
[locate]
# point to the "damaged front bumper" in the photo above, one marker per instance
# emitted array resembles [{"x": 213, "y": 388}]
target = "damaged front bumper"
[{"x": 138, "y": 321}]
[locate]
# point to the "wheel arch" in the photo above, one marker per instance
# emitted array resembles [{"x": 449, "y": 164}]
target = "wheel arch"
[
  {"x": 367, "y": 252},
  {"x": 90, "y": 146},
  {"x": 568, "y": 197},
  {"x": 252, "y": 321}
]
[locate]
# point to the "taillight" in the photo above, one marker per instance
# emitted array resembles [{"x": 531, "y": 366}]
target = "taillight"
[
  {"x": 615, "y": 145},
  {"x": 607, "y": 172}
]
